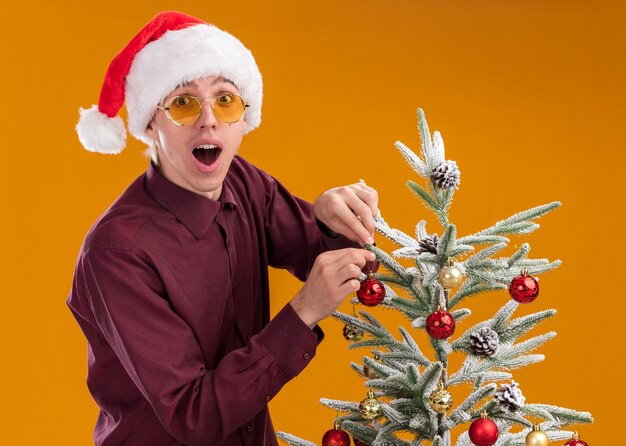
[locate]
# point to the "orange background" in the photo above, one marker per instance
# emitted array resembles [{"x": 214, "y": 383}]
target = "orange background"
[{"x": 529, "y": 97}]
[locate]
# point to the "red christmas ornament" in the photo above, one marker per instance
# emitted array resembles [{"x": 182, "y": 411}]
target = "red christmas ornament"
[
  {"x": 336, "y": 437},
  {"x": 576, "y": 441},
  {"x": 440, "y": 324},
  {"x": 524, "y": 288},
  {"x": 372, "y": 292},
  {"x": 483, "y": 431}
]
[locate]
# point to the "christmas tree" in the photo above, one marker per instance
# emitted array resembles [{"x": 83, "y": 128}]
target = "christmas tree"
[{"x": 408, "y": 402}]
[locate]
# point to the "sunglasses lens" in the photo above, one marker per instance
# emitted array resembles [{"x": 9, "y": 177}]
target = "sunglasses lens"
[
  {"x": 229, "y": 108},
  {"x": 184, "y": 110}
]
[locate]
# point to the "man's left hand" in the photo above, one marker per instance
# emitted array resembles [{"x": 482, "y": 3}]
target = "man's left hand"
[{"x": 349, "y": 211}]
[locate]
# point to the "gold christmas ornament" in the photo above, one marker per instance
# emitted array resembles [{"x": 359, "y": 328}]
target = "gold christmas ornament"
[
  {"x": 370, "y": 408},
  {"x": 450, "y": 275},
  {"x": 352, "y": 333},
  {"x": 537, "y": 437},
  {"x": 440, "y": 400},
  {"x": 369, "y": 372}
]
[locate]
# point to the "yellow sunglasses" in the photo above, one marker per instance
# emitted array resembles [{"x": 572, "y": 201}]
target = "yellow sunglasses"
[{"x": 185, "y": 109}]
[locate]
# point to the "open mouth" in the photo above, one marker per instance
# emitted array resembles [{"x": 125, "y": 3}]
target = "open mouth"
[{"x": 207, "y": 153}]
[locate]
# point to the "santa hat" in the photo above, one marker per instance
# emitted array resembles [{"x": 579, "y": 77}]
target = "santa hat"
[{"x": 173, "y": 48}]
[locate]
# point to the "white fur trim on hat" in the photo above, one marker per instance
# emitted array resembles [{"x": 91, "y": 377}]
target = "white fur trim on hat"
[
  {"x": 98, "y": 132},
  {"x": 185, "y": 55}
]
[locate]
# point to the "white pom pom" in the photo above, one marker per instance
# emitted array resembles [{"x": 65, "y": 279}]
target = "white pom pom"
[{"x": 99, "y": 133}]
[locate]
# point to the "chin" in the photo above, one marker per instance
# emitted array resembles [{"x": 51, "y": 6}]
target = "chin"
[{"x": 210, "y": 189}]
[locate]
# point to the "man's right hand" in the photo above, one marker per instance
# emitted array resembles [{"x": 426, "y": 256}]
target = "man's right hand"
[{"x": 332, "y": 278}]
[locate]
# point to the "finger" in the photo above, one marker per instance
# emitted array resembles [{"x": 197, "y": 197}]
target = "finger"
[
  {"x": 368, "y": 196},
  {"x": 354, "y": 256},
  {"x": 349, "y": 287},
  {"x": 352, "y": 261},
  {"x": 350, "y": 197},
  {"x": 348, "y": 272},
  {"x": 353, "y": 197},
  {"x": 339, "y": 258},
  {"x": 365, "y": 217},
  {"x": 347, "y": 223},
  {"x": 361, "y": 198},
  {"x": 367, "y": 188},
  {"x": 342, "y": 255}
]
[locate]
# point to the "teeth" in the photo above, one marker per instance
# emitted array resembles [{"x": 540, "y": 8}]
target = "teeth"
[{"x": 207, "y": 146}]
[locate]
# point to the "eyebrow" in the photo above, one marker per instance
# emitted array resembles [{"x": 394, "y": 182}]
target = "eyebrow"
[
  {"x": 222, "y": 79},
  {"x": 217, "y": 80}
]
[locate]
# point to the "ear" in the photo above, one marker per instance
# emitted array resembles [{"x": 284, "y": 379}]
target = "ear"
[{"x": 151, "y": 130}]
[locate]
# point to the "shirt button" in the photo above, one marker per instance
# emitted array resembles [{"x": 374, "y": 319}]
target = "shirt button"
[
  {"x": 249, "y": 428},
  {"x": 306, "y": 356}
]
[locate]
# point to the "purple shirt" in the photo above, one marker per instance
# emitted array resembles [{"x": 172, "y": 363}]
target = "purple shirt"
[{"x": 171, "y": 292}]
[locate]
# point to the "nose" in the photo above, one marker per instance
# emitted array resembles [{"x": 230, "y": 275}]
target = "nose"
[{"x": 207, "y": 117}]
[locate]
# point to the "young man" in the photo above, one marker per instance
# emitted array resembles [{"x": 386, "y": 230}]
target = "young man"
[{"x": 171, "y": 284}]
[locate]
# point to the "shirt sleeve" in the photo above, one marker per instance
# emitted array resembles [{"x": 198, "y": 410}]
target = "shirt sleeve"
[
  {"x": 294, "y": 235},
  {"x": 125, "y": 300}
]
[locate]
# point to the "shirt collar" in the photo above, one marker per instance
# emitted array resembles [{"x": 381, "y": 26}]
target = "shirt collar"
[{"x": 193, "y": 210}]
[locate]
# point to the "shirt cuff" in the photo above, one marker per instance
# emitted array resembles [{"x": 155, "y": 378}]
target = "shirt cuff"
[
  {"x": 290, "y": 340},
  {"x": 326, "y": 230},
  {"x": 332, "y": 240}
]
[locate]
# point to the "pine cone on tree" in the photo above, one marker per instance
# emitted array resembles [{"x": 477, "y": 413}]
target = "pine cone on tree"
[
  {"x": 446, "y": 175},
  {"x": 429, "y": 244},
  {"x": 510, "y": 397},
  {"x": 484, "y": 342}
]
